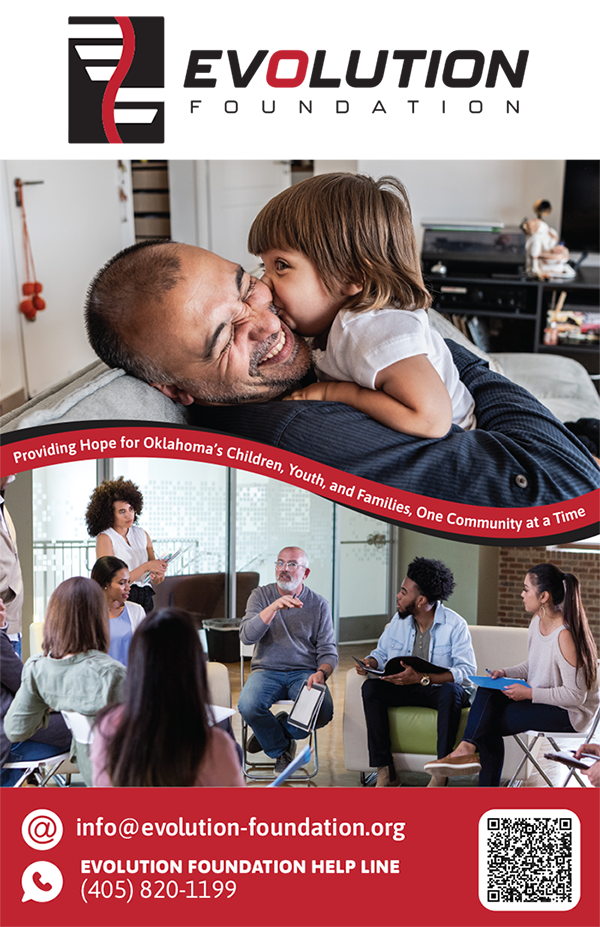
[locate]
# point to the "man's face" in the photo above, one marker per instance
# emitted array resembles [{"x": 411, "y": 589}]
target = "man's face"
[
  {"x": 291, "y": 569},
  {"x": 218, "y": 336},
  {"x": 406, "y": 598}
]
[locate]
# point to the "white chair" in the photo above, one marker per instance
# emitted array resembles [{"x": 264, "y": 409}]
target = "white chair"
[
  {"x": 527, "y": 748},
  {"x": 253, "y": 769},
  {"x": 43, "y": 769},
  {"x": 80, "y": 727},
  {"x": 219, "y": 687}
]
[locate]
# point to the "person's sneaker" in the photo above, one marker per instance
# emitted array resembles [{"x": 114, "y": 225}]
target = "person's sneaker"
[
  {"x": 385, "y": 780},
  {"x": 454, "y": 766},
  {"x": 253, "y": 745},
  {"x": 282, "y": 762}
]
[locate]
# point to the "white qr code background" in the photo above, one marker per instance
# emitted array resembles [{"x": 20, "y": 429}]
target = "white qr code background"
[{"x": 529, "y": 860}]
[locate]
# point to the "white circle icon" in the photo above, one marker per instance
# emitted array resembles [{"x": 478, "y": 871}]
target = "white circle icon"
[
  {"x": 42, "y": 829},
  {"x": 41, "y": 881}
]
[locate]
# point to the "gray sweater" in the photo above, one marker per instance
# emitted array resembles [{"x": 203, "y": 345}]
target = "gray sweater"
[
  {"x": 296, "y": 639},
  {"x": 553, "y": 680}
]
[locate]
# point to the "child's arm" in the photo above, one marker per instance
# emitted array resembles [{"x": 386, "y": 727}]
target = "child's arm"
[{"x": 409, "y": 397}]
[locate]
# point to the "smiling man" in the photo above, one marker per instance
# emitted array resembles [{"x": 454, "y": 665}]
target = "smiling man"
[
  {"x": 192, "y": 324},
  {"x": 206, "y": 334}
]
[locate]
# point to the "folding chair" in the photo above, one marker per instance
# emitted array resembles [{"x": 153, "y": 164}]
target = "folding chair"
[
  {"x": 252, "y": 769},
  {"x": 43, "y": 769},
  {"x": 80, "y": 727},
  {"x": 581, "y": 737}
]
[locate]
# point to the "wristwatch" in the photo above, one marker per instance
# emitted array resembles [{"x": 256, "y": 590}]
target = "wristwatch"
[{"x": 425, "y": 680}]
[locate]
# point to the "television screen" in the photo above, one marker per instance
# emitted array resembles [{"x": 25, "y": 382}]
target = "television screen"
[{"x": 580, "y": 229}]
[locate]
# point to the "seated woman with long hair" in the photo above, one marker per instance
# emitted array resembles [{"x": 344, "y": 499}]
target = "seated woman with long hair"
[
  {"x": 162, "y": 734},
  {"x": 74, "y": 672},
  {"x": 561, "y": 672},
  {"x": 112, "y": 575}
]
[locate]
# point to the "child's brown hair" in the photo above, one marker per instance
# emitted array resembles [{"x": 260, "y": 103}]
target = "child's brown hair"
[{"x": 355, "y": 230}]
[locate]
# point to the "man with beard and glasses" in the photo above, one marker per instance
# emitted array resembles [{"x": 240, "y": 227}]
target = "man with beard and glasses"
[
  {"x": 206, "y": 334},
  {"x": 425, "y": 628},
  {"x": 292, "y": 630},
  {"x": 194, "y": 325}
]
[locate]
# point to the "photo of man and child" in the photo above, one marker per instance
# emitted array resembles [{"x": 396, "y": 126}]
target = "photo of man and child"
[
  {"x": 330, "y": 349},
  {"x": 401, "y": 396}
]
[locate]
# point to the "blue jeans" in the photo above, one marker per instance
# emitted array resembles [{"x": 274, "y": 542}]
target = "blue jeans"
[
  {"x": 494, "y": 716},
  {"x": 263, "y": 689},
  {"x": 28, "y": 750}
]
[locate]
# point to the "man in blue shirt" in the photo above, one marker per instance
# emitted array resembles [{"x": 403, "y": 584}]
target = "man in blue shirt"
[{"x": 425, "y": 628}]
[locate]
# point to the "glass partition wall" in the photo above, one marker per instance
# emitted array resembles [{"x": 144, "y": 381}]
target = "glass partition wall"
[{"x": 226, "y": 522}]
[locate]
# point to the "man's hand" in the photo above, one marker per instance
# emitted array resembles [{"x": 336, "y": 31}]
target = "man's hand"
[
  {"x": 370, "y": 661},
  {"x": 409, "y": 677},
  {"x": 287, "y": 601},
  {"x": 284, "y": 601},
  {"x": 317, "y": 677},
  {"x": 518, "y": 693}
]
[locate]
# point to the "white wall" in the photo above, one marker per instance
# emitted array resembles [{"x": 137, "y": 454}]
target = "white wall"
[
  {"x": 328, "y": 167},
  {"x": 76, "y": 222},
  {"x": 500, "y": 190},
  {"x": 11, "y": 354}
]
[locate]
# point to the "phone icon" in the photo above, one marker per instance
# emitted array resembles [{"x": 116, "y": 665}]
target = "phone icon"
[
  {"x": 37, "y": 880},
  {"x": 42, "y": 881}
]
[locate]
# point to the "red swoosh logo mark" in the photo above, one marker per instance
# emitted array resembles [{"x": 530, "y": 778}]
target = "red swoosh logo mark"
[{"x": 120, "y": 72}]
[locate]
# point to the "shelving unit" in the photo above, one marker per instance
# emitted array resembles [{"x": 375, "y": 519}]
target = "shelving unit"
[
  {"x": 516, "y": 309},
  {"x": 151, "y": 203}
]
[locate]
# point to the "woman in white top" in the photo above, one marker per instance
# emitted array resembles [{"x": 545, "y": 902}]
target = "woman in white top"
[
  {"x": 113, "y": 509},
  {"x": 561, "y": 673},
  {"x": 112, "y": 576}
]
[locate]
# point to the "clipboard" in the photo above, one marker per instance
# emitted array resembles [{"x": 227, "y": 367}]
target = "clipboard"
[
  {"x": 567, "y": 757},
  {"x": 500, "y": 683},
  {"x": 306, "y": 707}
]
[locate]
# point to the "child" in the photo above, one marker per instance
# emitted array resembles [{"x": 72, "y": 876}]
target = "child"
[{"x": 340, "y": 256}]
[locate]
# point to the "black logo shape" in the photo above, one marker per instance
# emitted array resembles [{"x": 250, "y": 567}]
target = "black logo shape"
[{"x": 116, "y": 67}]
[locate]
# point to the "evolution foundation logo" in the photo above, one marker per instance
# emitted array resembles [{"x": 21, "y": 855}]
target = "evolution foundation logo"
[{"x": 116, "y": 74}]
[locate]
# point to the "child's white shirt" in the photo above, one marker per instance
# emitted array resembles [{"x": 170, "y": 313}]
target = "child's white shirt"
[{"x": 360, "y": 344}]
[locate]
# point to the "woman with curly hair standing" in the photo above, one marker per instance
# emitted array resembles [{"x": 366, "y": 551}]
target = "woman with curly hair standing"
[{"x": 113, "y": 509}]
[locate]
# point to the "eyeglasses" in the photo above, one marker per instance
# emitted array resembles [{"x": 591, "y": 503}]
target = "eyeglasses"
[{"x": 290, "y": 564}]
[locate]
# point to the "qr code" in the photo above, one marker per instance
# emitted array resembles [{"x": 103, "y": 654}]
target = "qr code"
[{"x": 529, "y": 860}]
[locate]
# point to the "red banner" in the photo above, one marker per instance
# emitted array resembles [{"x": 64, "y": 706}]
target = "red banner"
[
  {"x": 575, "y": 518},
  {"x": 455, "y": 857}
]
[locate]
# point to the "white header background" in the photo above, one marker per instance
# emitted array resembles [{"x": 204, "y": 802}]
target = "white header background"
[{"x": 558, "y": 101}]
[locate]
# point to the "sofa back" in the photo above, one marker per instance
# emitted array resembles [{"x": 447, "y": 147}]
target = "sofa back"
[{"x": 498, "y": 647}]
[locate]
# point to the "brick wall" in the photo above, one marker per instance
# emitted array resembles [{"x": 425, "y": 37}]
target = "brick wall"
[{"x": 513, "y": 565}]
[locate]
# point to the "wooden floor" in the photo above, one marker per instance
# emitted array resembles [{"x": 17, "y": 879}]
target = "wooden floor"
[{"x": 332, "y": 771}]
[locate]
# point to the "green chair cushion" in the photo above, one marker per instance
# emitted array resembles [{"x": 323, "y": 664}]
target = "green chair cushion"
[{"x": 414, "y": 729}]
